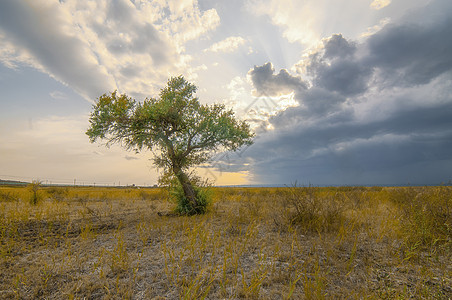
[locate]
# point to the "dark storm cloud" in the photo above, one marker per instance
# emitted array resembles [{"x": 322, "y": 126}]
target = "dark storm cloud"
[
  {"x": 337, "y": 69},
  {"x": 320, "y": 101},
  {"x": 37, "y": 30},
  {"x": 266, "y": 83},
  {"x": 379, "y": 112},
  {"x": 338, "y": 47},
  {"x": 414, "y": 54},
  {"x": 346, "y": 77},
  {"x": 345, "y": 151}
]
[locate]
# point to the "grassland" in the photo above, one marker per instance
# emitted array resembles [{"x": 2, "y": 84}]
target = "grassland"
[{"x": 256, "y": 243}]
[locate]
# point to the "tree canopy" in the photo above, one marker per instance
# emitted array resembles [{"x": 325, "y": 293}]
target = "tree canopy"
[{"x": 184, "y": 132}]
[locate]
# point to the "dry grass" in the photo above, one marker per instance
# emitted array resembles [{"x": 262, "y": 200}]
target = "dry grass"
[{"x": 256, "y": 243}]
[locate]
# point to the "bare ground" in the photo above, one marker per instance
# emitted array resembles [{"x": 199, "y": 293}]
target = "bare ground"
[{"x": 253, "y": 243}]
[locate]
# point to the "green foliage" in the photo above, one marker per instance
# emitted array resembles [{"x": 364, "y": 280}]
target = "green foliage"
[
  {"x": 176, "y": 124},
  {"x": 182, "y": 132},
  {"x": 183, "y": 205}
]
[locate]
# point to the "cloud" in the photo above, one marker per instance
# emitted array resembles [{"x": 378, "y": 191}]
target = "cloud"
[
  {"x": 187, "y": 22},
  {"x": 336, "y": 68},
  {"x": 375, "y": 28},
  {"x": 379, "y": 4},
  {"x": 342, "y": 150},
  {"x": 99, "y": 46},
  {"x": 338, "y": 47},
  {"x": 266, "y": 83},
  {"x": 43, "y": 32},
  {"x": 57, "y": 95},
  {"x": 128, "y": 157},
  {"x": 229, "y": 44},
  {"x": 377, "y": 111},
  {"x": 412, "y": 54},
  {"x": 307, "y": 22}
]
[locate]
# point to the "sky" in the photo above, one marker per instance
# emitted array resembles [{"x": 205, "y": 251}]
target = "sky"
[{"x": 338, "y": 92}]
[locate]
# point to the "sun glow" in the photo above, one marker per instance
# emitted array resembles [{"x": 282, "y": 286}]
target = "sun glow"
[
  {"x": 265, "y": 107},
  {"x": 220, "y": 178}
]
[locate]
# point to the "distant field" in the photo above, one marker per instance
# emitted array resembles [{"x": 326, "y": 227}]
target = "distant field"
[{"x": 256, "y": 243}]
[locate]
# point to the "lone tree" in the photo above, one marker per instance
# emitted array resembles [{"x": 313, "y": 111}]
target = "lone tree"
[{"x": 184, "y": 132}]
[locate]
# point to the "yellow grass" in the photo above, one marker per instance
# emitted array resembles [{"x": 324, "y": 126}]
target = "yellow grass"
[{"x": 255, "y": 243}]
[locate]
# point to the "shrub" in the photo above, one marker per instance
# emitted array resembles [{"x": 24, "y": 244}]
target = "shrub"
[
  {"x": 58, "y": 193},
  {"x": 184, "y": 206},
  {"x": 313, "y": 212},
  {"x": 7, "y": 197},
  {"x": 426, "y": 215},
  {"x": 202, "y": 190},
  {"x": 34, "y": 187}
]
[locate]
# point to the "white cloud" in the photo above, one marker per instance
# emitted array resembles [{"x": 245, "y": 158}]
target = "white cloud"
[
  {"x": 57, "y": 95},
  {"x": 237, "y": 88},
  {"x": 11, "y": 55},
  {"x": 193, "y": 25},
  {"x": 373, "y": 29},
  {"x": 192, "y": 74},
  {"x": 307, "y": 22},
  {"x": 297, "y": 19},
  {"x": 45, "y": 37},
  {"x": 98, "y": 46},
  {"x": 379, "y": 4},
  {"x": 229, "y": 44}
]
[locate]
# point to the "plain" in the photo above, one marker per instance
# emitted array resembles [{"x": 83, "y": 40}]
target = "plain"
[{"x": 256, "y": 243}]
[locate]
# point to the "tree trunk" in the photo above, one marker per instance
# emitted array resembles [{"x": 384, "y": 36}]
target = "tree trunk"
[{"x": 189, "y": 191}]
